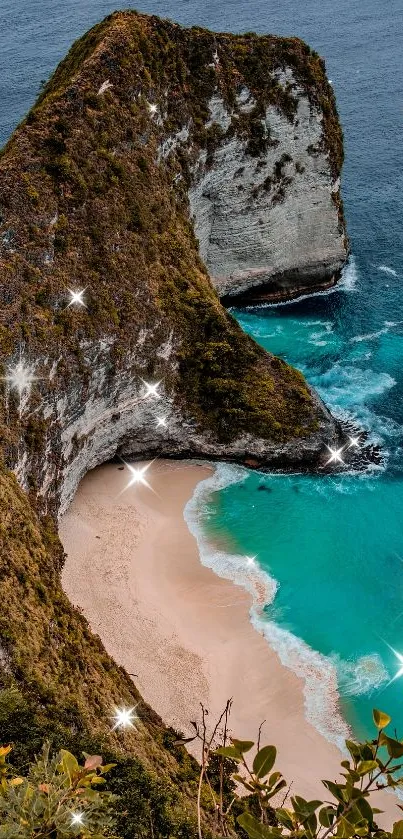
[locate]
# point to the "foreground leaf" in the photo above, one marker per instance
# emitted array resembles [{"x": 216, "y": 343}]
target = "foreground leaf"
[
  {"x": 381, "y": 719},
  {"x": 254, "y": 828},
  {"x": 264, "y": 761},
  {"x": 242, "y": 746}
]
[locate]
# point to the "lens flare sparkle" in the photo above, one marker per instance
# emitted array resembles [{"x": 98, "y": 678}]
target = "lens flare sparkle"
[
  {"x": 354, "y": 442},
  {"x": 399, "y": 657},
  {"x": 335, "y": 455},
  {"x": 20, "y": 378},
  {"x": 125, "y": 718},
  {"x": 138, "y": 474},
  {"x": 76, "y": 298},
  {"x": 77, "y": 818},
  {"x": 151, "y": 389}
]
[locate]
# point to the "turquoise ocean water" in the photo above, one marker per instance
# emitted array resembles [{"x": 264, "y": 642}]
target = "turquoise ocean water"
[{"x": 334, "y": 546}]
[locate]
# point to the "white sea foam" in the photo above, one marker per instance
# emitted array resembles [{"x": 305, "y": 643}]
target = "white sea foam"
[
  {"x": 387, "y": 270},
  {"x": 318, "y": 672},
  {"x": 349, "y": 392},
  {"x": 316, "y": 338},
  {"x": 326, "y": 324},
  {"x": 350, "y": 386},
  {"x": 371, "y": 336},
  {"x": 357, "y": 678},
  {"x": 234, "y": 567},
  {"x": 349, "y": 276}
]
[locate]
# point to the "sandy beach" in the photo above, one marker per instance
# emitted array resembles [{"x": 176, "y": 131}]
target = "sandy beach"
[{"x": 133, "y": 568}]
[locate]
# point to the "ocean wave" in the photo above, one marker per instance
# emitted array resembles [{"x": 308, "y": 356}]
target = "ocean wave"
[
  {"x": 321, "y": 694},
  {"x": 371, "y": 336},
  {"x": 349, "y": 276},
  {"x": 325, "y": 324},
  {"x": 319, "y": 673},
  {"x": 316, "y": 338},
  {"x": 350, "y": 386},
  {"x": 391, "y": 323},
  {"x": 261, "y": 331},
  {"x": 349, "y": 392},
  {"x": 387, "y": 270},
  {"x": 241, "y": 570}
]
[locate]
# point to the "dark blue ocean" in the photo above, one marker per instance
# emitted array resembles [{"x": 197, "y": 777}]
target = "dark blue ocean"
[{"x": 333, "y": 545}]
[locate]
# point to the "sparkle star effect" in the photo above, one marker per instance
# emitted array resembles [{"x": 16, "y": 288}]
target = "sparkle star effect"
[
  {"x": 151, "y": 390},
  {"x": 399, "y": 657},
  {"x": 125, "y": 718},
  {"x": 335, "y": 455},
  {"x": 354, "y": 442},
  {"x": 77, "y": 818},
  {"x": 250, "y": 560},
  {"x": 161, "y": 422},
  {"x": 20, "y": 378},
  {"x": 152, "y": 108},
  {"x": 138, "y": 476},
  {"x": 76, "y": 298}
]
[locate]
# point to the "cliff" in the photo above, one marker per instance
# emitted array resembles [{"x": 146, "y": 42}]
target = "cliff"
[
  {"x": 94, "y": 194},
  {"x": 266, "y": 201},
  {"x": 142, "y": 127}
]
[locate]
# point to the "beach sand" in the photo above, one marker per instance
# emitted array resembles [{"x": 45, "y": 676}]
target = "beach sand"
[{"x": 133, "y": 569}]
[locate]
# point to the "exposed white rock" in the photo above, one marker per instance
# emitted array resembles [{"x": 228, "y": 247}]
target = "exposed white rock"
[
  {"x": 170, "y": 144},
  {"x": 166, "y": 349},
  {"x": 259, "y": 220},
  {"x": 104, "y": 87},
  {"x": 245, "y": 101},
  {"x": 104, "y": 411},
  {"x": 284, "y": 76},
  {"x": 219, "y": 113}
]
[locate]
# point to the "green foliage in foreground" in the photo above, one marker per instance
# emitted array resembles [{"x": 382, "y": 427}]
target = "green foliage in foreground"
[
  {"x": 146, "y": 802},
  {"x": 373, "y": 766},
  {"x": 60, "y": 798},
  {"x": 56, "y": 799}
]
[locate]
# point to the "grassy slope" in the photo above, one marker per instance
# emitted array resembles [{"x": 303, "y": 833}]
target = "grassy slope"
[{"x": 122, "y": 233}]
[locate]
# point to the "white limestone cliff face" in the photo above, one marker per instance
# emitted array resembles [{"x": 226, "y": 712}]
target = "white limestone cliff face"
[
  {"x": 105, "y": 412},
  {"x": 270, "y": 219}
]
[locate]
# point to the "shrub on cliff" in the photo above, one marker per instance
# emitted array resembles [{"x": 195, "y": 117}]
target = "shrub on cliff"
[{"x": 56, "y": 799}]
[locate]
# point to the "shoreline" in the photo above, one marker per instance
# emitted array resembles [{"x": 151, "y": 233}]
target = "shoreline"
[{"x": 133, "y": 568}]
